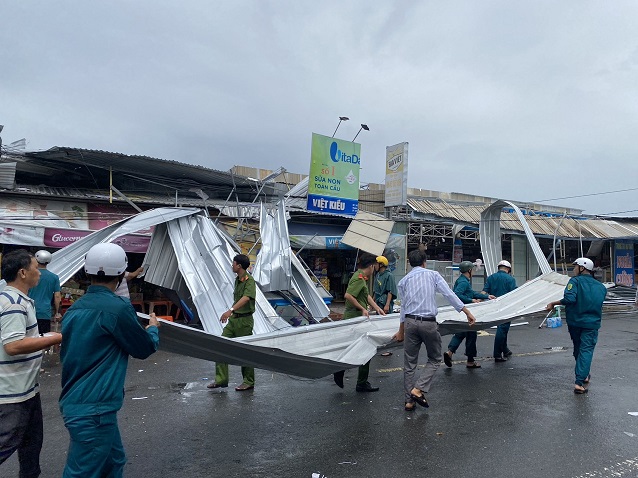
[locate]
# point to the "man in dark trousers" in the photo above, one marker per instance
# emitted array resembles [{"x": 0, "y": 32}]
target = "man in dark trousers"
[
  {"x": 583, "y": 300},
  {"x": 418, "y": 326},
  {"x": 240, "y": 322},
  {"x": 20, "y": 358},
  {"x": 463, "y": 290},
  {"x": 100, "y": 331},
  {"x": 357, "y": 301},
  {"x": 47, "y": 292},
  {"x": 498, "y": 284}
]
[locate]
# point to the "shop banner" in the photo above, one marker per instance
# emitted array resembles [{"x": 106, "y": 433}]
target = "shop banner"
[
  {"x": 624, "y": 263},
  {"x": 42, "y": 212},
  {"x": 396, "y": 175},
  {"x": 22, "y": 235},
  {"x": 396, "y": 241},
  {"x": 333, "y": 184},
  {"x": 63, "y": 237}
]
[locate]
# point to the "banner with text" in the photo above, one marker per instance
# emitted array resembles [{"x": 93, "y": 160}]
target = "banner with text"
[
  {"x": 396, "y": 174},
  {"x": 333, "y": 184},
  {"x": 624, "y": 263}
]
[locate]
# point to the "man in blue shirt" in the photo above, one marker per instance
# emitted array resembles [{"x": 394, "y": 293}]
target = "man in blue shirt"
[
  {"x": 498, "y": 284},
  {"x": 583, "y": 300},
  {"x": 463, "y": 289},
  {"x": 47, "y": 292},
  {"x": 100, "y": 332}
]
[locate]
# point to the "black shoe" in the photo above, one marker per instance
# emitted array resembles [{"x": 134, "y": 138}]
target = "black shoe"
[
  {"x": 338, "y": 378},
  {"x": 500, "y": 359},
  {"x": 508, "y": 353},
  {"x": 447, "y": 358},
  {"x": 366, "y": 387},
  {"x": 421, "y": 400}
]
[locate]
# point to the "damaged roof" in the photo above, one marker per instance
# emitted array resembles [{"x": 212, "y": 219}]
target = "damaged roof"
[
  {"x": 132, "y": 174},
  {"x": 542, "y": 224}
]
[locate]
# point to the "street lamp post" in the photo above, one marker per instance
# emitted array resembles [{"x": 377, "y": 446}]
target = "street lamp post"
[
  {"x": 363, "y": 126},
  {"x": 341, "y": 118}
]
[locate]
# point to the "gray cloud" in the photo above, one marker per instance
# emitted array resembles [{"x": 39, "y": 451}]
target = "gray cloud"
[{"x": 526, "y": 101}]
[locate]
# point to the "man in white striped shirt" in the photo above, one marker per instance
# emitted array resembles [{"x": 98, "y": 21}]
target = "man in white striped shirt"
[
  {"x": 418, "y": 325},
  {"x": 20, "y": 359}
]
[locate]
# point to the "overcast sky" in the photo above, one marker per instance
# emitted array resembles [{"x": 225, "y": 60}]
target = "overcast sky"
[{"x": 527, "y": 101}]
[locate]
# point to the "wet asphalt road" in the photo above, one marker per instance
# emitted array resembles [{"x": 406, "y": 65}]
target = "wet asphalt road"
[{"x": 518, "y": 419}]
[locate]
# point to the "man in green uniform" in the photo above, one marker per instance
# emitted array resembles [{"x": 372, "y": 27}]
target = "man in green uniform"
[
  {"x": 357, "y": 300},
  {"x": 463, "y": 290},
  {"x": 240, "y": 322},
  {"x": 583, "y": 300},
  {"x": 498, "y": 284},
  {"x": 385, "y": 286}
]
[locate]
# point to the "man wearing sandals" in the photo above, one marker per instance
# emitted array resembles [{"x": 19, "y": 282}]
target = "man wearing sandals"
[
  {"x": 583, "y": 300},
  {"x": 418, "y": 326},
  {"x": 463, "y": 289}
]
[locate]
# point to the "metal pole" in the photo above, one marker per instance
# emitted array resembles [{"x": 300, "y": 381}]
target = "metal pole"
[
  {"x": 307, "y": 242},
  {"x": 555, "y": 232}
]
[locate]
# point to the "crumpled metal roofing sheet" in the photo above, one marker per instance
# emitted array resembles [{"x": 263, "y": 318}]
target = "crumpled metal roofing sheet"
[
  {"x": 69, "y": 260},
  {"x": 279, "y": 268},
  {"x": 319, "y": 350},
  {"x": 490, "y": 234},
  {"x": 205, "y": 262},
  {"x": 272, "y": 269}
]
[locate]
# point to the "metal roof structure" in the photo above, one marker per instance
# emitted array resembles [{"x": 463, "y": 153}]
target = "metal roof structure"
[
  {"x": 139, "y": 174},
  {"x": 541, "y": 224}
]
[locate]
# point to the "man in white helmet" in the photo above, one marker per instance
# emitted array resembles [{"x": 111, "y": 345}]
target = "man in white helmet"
[
  {"x": 46, "y": 294},
  {"x": 101, "y": 330},
  {"x": 583, "y": 300},
  {"x": 498, "y": 284}
]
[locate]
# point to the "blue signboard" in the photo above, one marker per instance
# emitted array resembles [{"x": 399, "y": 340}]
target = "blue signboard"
[{"x": 624, "y": 263}]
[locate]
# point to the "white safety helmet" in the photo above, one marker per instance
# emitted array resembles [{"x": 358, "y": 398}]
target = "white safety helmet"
[
  {"x": 504, "y": 263},
  {"x": 584, "y": 262},
  {"x": 105, "y": 259},
  {"x": 43, "y": 257}
]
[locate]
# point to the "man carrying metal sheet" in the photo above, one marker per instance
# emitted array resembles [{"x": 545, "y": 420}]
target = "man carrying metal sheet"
[
  {"x": 583, "y": 300},
  {"x": 20, "y": 358},
  {"x": 240, "y": 322},
  {"x": 498, "y": 284},
  {"x": 463, "y": 289},
  {"x": 418, "y": 326},
  {"x": 357, "y": 300},
  {"x": 100, "y": 331}
]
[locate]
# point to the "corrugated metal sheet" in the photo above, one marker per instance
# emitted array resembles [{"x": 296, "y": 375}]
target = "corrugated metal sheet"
[
  {"x": 93, "y": 195},
  {"x": 540, "y": 225},
  {"x": 490, "y": 232},
  {"x": 318, "y": 350},
  {"x": 141, "y": 166},
  {"x": 7, "y": 175},
  {"x": 368, "y": 232}
]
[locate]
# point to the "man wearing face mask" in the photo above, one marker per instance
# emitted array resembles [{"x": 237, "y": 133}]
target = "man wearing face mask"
[{"x": 583, "y": 300}]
